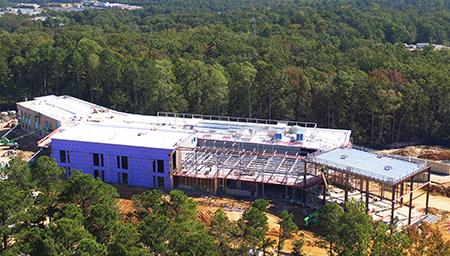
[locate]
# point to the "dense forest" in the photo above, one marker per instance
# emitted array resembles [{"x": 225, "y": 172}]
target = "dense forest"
[
  {"x": 341, "y": 64},
  {"x": 42, "y": 214}
]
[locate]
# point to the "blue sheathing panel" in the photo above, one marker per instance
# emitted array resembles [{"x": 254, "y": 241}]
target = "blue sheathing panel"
[{"x": 140, "y": 161}]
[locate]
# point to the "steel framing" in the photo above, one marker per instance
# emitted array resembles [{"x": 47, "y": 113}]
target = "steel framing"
[
  {"x": 271, "y": 168},
  {"x": 219, "y": 164}
]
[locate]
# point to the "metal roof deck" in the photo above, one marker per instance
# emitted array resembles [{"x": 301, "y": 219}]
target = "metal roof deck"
[{"x": 384, "y": 168}]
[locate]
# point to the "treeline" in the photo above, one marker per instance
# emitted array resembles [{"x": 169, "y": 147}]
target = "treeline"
[
  {"x": 337, "y": 64},
  {"x": 42, "y": 214}
]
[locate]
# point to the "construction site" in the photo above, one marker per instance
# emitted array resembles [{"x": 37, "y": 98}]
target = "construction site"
[{"x": 295, "y": 162}]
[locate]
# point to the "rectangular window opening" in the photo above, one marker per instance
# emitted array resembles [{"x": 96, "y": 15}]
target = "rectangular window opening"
[
  {"x": 96, "y": 159},
  {"x": 160, "y": 166},
  {"x": 62, "y": 156},
  {"x": 124, "y": 162}
]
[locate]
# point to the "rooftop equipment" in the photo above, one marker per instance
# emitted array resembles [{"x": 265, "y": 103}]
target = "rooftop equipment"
[{"x": 278, "y": 136}]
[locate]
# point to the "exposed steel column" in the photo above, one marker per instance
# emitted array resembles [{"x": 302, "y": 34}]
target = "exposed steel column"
[
  {"x": 393, "y": 203},
  {"x": 401, "y": 193},
  {"x": 410, "y": 200},
  {"x": 428, "y": 190},
  {"x": 304, "y": 182},
  {"x": 324, "y": 190},
  {"x": 346, "y": 187},
  {"x": 367, "y": 195}
]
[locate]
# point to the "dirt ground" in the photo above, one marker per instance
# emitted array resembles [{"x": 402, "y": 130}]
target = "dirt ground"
[
  {"x": 27, "y": 142},
  {"x": 424, "y": 152}
]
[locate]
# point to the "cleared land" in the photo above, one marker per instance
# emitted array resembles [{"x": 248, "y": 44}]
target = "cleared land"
[
  {"x": 423, "y": 152},
  {"x": 26, "y": 141}
]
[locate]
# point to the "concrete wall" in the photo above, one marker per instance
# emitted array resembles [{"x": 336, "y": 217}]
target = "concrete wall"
[
  {"x": 32, "y": 121},
  {"x": 140, "y": 162}
]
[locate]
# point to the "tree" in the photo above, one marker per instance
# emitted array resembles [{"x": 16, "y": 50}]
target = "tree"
[
  {"x": 126, "y": 241},
  {"x": 97, "y": 200},
  {"x": 167, "y": 92},
  {"x": 242, "y": 76},
  {"x": 89, "y": 246},
  {"x": 12, "y": 211},
  {"x": 47, "y": 175},
  {"x": 147, "y": 202},
  {"x": 299, "y": 88},
  {"x": 254, "y": 226},
  {"x": 329, "y": 222},
  {"x": 157, "y": 233},
  {"x": 224, "y": 233},
  {"x": 297, "y": 248},
  {"x": 174, "y": 228},
  {"x": 354, "y": 230},
  {"x": 388, "y": 241},
  {"x": 19, "y": 172},
  {"x": 287, "y": 227}
]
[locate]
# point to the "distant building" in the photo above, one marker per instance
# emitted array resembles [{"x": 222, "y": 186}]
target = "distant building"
[
  {"x": 28, "y": 6},
  {"x": 25, "y": 11},
  {"x": 422, "y": 45}
]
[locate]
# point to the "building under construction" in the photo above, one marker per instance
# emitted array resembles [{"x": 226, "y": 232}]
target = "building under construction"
[{"x": 290, "y": 160}]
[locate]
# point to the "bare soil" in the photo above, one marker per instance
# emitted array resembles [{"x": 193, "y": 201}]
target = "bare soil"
[
  {"x": 27, "y": 143},
  {"x": 424, "y": 152}
]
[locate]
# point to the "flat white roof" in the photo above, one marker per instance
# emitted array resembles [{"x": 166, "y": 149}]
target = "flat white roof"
[
  {"x": 63, "y": 108},
  {"x": 123, "y": 135},
  {"x": 72, "y": 111},
  {"x": 380, "y": 167}
]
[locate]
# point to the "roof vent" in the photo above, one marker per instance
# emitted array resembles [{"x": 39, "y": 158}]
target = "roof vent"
[
  {"x": 387, "y": 167},
  {"x": 344, "y": 156}
]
